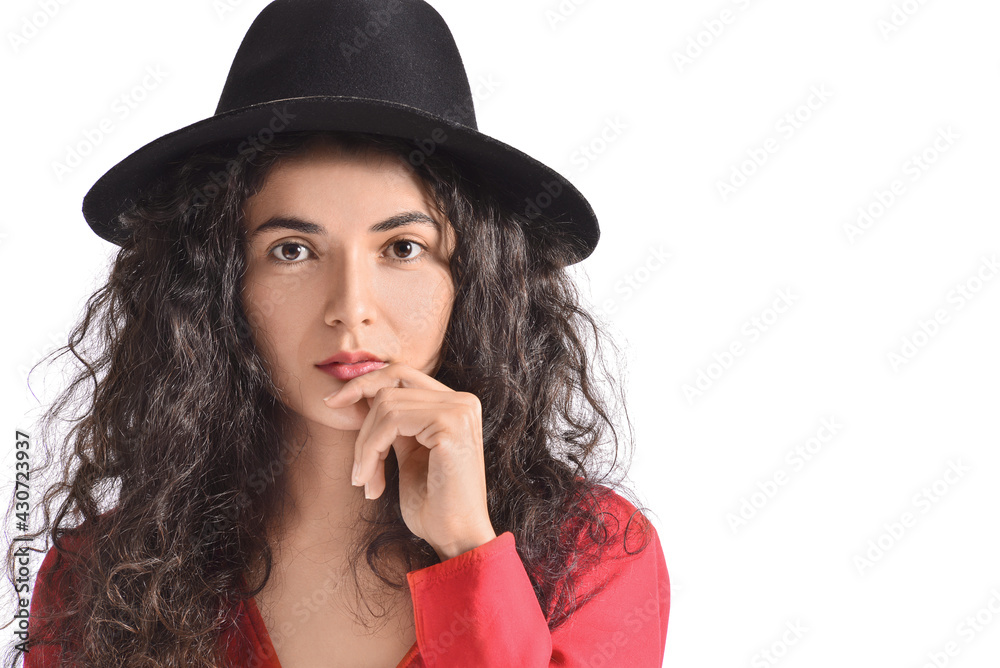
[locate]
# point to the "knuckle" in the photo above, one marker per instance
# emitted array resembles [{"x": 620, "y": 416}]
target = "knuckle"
[{"x": 472, "y": 401}]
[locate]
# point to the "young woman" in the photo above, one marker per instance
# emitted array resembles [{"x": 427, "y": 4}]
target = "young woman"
[{"x": 342, "y": 409}]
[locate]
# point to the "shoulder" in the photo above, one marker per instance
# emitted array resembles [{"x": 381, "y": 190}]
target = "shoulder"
[
  {"x": 614, "y": 540},
  {"x": 620, "y": 559},
  {"x": 54, "y": 580},
  {"x": 50, "y": 610},
  {"x": 57, "y": 560},
  {"x": 625, "y": 525},
  {"x": 610, "y": 501}
]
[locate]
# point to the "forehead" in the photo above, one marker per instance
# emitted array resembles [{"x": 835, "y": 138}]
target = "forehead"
[
  {"x": 325, "y": 175},
  {"x": 349, "y": 188},
  {"x": 330, "y": 165}
]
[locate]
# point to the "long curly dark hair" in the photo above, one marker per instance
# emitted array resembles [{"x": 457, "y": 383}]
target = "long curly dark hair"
[{"x": 172, "y": 469}]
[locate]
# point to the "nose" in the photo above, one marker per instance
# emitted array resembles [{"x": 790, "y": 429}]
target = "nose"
[{"x": 350, "y": 294}]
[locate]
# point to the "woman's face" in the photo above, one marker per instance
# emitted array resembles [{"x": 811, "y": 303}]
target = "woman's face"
[{"x": 342, "y": 256}]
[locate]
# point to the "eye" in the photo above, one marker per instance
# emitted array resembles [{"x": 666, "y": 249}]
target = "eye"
[
  {"x": 284, "y": 255},
  {"x": 291, "y": 252},
  {"x": 407, "y": 245}
]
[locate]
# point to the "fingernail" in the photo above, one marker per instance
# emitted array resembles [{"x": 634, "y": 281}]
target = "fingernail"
[
  {"x": 354, "y": 474},
  {"x": 367, "y": 495}
]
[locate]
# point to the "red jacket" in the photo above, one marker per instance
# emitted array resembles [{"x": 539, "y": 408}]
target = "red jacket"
[{"x": 478, "y": 609}]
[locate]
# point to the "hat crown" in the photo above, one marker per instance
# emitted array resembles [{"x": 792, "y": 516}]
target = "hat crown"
[
  {"x": 387, "y": 67},
  {"x": 398, "y": 51}
]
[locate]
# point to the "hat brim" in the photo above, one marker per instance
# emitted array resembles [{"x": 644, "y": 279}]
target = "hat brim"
[{"x": 520, "y": 182}]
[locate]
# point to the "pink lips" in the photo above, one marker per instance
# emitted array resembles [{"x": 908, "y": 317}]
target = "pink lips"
[{"x": 349, "y": 371}]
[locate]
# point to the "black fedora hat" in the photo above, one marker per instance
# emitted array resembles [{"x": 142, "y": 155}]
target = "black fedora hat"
[{"x": 389, "y": 67}]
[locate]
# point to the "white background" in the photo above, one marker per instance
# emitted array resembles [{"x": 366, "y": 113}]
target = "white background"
[{"x": 663, "y": 134}]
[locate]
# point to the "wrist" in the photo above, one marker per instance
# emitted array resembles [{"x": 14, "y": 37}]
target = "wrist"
[{"x": 465, "y": 544}]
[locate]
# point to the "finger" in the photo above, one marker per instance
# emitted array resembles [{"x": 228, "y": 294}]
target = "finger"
[
  {"x": 406, "y": 418},
  {"x": 349, "y": 393},
  {"x": 382, "y": 403},
  {"x": 366, "y": 385},
  {"x": 377, "y": 408},
  {"x": 377, "y": 485},
  {"x": 391, "y": 375},
  {"x": 359, "y": 446},
  {"x": 388, "y": 400}
]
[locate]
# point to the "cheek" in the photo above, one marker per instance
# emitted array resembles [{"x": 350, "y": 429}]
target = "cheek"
[
  {"x": 274, "y": 317},
  {"x": 273, "y": 296},
  {"x": 259, "y": 304},
  {"x": 426, "y": 305},
  {"x": 417, "y": 314}
]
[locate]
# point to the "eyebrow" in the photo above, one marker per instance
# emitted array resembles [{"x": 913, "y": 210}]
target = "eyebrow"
[{"x": 305, "y": 227}]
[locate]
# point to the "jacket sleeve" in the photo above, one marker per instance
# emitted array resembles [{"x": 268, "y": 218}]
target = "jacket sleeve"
[{"x": 479, "y": 609}]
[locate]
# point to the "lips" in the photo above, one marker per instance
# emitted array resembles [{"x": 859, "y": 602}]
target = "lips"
[
  {"x": 343, "y": 371},
  {"x": 351, "y": 357}
]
